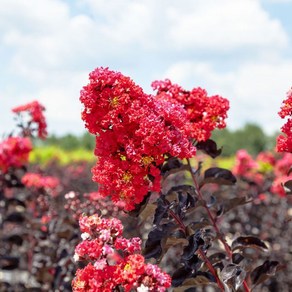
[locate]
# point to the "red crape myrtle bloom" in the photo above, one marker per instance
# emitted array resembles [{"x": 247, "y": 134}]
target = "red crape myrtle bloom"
[
  {"x": 135, "y": 133},
  {"x": 114, "y": 261},
  {"x": 35, "y": 109},
  {"x": 204, "y": 113},
  {"x": 246, "y": 167},
  {"x": 284, "y": 142},
  {"x": 14, "y": 152},
  {"x": 244, "y": 163},
  {"x": 282, "y": 174},
  {"x": 36, "y": 180}
]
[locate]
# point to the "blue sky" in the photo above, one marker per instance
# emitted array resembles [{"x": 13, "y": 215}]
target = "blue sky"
[{"x": 240, "y": 49}]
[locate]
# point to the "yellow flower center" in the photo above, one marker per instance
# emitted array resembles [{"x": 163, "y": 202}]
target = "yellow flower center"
[
  {"x": 123, "y": 157},
  {"x": 146, "y": 160},
  {"x": 127, "y": 267},
  {"x": 127, "y": 176},
  {"x": 79, "y": 285},
  {"x": 114, "y": 101}
]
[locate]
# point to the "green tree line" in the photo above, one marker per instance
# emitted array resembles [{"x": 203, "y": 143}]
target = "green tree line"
[{"x": 251, "y": 137}]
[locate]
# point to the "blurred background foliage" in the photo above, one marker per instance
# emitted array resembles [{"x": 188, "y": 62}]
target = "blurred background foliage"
[{"x": 251, "y": 137}]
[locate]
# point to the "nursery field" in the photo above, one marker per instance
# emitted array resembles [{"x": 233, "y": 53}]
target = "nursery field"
[{"x": 153, "y": 207}]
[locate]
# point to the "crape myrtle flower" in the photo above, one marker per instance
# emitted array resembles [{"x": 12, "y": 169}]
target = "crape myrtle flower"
[
  {"x": 94, "y": 226},
  {"x": 244, "y": 163},
  {"x": 284, "y": 141},
  {"x": 14, "y": 152},
  {"x": 35, "y": 110},
  {"x": 204, "y": 113},
  {"x": 135, "y": 133},
  {"x": 37, "y": 181},
  {"x": 277, "y": 186},
  {"x": 115, "y": 261}
]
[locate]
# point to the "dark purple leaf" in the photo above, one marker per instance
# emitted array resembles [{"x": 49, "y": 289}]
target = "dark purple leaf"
[
  {"x": 219, "y": 176},
  {"x": 180, "y": 275},
  {"x": 193, "y": 263},
  {"x": 15, "y": 217},
  {"x": 263, "y": 272},
  {"x": 14, "y": 239},
  {"x": 172, "y": 163},
  {"x": 288, "y": 187},
  {"x": 237, "y": 258},
  {"x": 235, "y": 202},
  {"x": 217, "y": 257},
  {"x": 248, "y": 241},
  {"x": 153, "y": 248},
  {"x": 9, "y": 262},
  {"x": 212, "y": 202},
  {"x": 209, "y": 147},
  {"x": 195, "y": 241},
  {"x": 220, "y": 211}
]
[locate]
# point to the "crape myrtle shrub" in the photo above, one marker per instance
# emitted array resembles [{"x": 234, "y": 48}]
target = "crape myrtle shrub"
[
  {"x": 200, "y": 228},
  {"x": 142, "y": 143}
]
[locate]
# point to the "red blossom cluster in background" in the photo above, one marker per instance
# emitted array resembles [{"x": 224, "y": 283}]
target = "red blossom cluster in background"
[
  {"x": 256, "y": 170},
  {"x": 35, "y": 110},
  {"x": 36, "y": 180},
  {"x": 14, "y": 152},
  {"x": 284, "y": 142},
  {"x": 114, "y": 261},
  {"x": 136, "y": 132}
]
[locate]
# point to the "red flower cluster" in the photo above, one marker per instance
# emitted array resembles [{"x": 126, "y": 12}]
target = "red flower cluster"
[
  {"x": 244, "y": 163},
  {"x": 277, "y": 168},
  {"x": 36, "y": 180},
  {"x": 35, "y": 110},
  {"x": 14, "y": 152},
  {"x": 108, "y": 268},
  {"x": 136, "y": 133},
  {"x": 284, "y": 142},
  {"x": 281, "y": 171},
  {"x": 204, "y": 113},
  {"x": 246, "y": 167}
]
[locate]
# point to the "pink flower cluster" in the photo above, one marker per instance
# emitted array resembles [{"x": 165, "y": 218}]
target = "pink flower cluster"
[
  {"x": 114, "y": 261},
  {"x": 284, "y": 142},
  {"x": 36, "y": 180},
  {"x": 14, "y": 152},
  {"x": 136, "y": 132},
  {"x": 35, "y": 110}
]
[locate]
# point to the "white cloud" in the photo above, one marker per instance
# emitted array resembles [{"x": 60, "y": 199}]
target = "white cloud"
[
  {"x": 225, "y": 25},
  {"x": 48, "y": 47},
  {"x": 203, "y": 24}
]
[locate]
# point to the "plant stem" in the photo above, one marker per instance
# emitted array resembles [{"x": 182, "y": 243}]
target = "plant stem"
[
  {"x": 200, "y": 252},
  {"x": 211, "y": 268},
  {"x": 213, "y": 221}
]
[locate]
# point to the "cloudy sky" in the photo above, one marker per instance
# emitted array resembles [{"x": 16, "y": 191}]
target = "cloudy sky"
[{"x": 240, "y": 49}]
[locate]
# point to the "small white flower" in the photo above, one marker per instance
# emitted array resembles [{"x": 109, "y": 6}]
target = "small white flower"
[
  {"x": 76, "y": 257},
  {"x": 143, "y": 288},
  {"x": 85, "y": 235}
]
